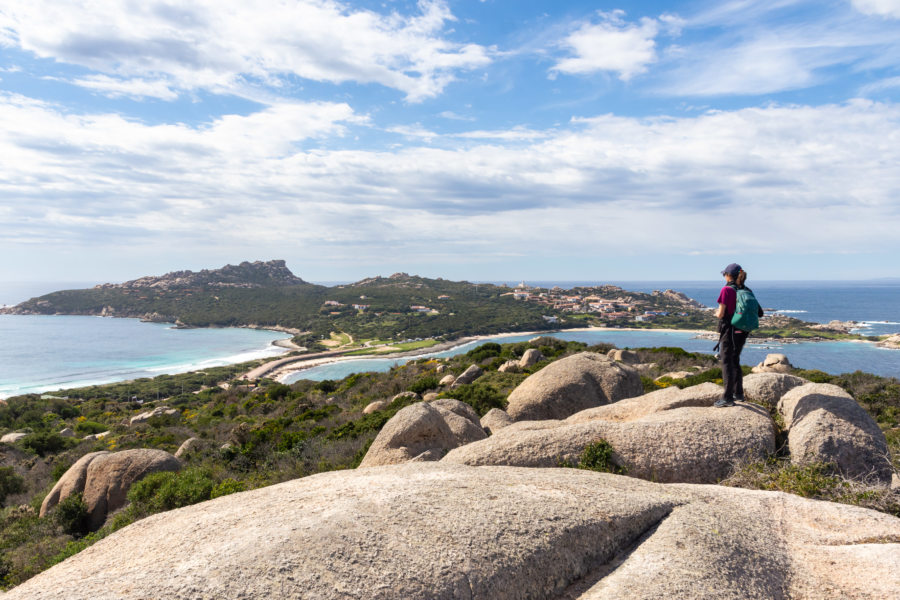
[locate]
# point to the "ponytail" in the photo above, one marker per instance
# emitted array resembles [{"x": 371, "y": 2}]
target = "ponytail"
[{"x": 741, "y": 278}]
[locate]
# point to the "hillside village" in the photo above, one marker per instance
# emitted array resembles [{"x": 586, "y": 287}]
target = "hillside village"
[{"x": 610, "y": 302}]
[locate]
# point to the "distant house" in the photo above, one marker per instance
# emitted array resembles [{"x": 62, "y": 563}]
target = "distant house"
[
  {"x": 332, "y": 303},
  {"x": 521, "y": 295},
  {"x": 551, "y": 318},
  {"x": 419, "y": 308},
  {"x": 361, "y": 306},
  {"x": 443, "y": 297}
]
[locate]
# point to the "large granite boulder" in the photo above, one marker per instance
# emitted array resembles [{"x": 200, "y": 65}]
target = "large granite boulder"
[
  {"x": 768, "y": 388},
  {"x": 666, "y": 436},
  {"x": 156, "y": 412},
  {"x": 423, "y": 432},
  {"x": 440, "y": 531},
  {"x": 625, "y": 356},
  {"x": 825, "y": 424},
  {"x": 774, "y": 363},
  {"x": 531, "y": 357},
  {"x": 103, "y": 480},
  {"x": 12, "y": 438},
  {"x": 570, "y": 385},
  {"x": 494, "y": 420},
  {"x": 469, "y": 375},
  {"x": 189, "y": 446},
  {"x": 375, "y": 406}
]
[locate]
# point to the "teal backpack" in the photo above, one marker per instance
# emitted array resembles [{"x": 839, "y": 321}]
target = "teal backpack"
[{"x": 746, "y": 312}]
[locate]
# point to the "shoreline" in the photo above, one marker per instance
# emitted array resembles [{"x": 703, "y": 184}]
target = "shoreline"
[{"x": 280, "y": 372}]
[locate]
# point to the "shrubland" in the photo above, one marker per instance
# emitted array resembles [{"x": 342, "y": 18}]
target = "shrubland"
[{"x": 252, "y": 436}]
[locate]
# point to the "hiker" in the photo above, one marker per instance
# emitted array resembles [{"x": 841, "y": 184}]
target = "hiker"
[{"x": 736, "y": 320}]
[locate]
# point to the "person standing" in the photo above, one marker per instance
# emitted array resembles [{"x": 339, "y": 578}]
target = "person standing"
[{"x": 731, "y": 339}]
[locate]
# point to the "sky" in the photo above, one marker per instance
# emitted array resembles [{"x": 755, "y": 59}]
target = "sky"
[{"x": 472, "y": 139}]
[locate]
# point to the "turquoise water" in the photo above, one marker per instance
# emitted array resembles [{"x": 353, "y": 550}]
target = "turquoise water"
[
  {"x": 831, "y": 357},
  {"x": 42, "y": 353}
]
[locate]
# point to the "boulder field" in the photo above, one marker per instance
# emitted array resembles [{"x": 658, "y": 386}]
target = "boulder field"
[
  {"x": 441, "y": 531},
  {"x": 671, "y": 435}
]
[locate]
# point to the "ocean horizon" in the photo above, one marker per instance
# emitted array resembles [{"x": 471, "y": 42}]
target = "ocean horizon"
[{"x": 80, "y": 351}]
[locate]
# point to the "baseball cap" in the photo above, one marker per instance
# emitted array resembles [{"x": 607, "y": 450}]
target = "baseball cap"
[{"x": 733, "y": 269}]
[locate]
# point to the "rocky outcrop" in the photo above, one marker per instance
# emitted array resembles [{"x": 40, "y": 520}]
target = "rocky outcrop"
[
  {"x": 825, "y": 424},
  {"x": 668, "y": 436},
  {"x": 678, "y": 297},
  {"x": 423, "y": 431},
  {"x": 447, "y": 379},
  {"x": 494, "y": 420},
  {"x": 244, "y": 275},
  {"x": 468, "y": 376},
  {"x": 12, "y": 438},
  {"x": 530, "y": 357},
  {"x": 156, "y": 412},
  {"x": 438, "y": 531},
  {"x": 374, "y": 406},
  {"x": 68, "y": 432},
  {"x": 768, "y": 388},
  {"x": 774, "y": 363},
  {"x": 405, "y": 396},
  {"x": 674, "y": 375},
  {"x": 570, "y": 385},
  {"x": 189, "y": 446},
  {"x": 891, "y": 341},
  {"x": 103, "y": 479},
  {"x": 626, "y": 356},
  {"x": 510, "y": 366}
]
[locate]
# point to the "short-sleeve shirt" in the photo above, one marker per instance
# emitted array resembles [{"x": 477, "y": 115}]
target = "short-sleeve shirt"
[{"x": 728, "y": 297}]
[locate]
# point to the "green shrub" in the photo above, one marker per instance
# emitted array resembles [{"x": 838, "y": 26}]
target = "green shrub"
[
  {"x": 423, "y": 384},
  {"x": 479, "y": 396},
  {"x": 600, "y": 456},
  {"x": 90, "y": 427},
  {"x": 167, "y": 490},
  {"x": 228, "y": 486},
  {"x": 10, "y": 483},
  {"x": 488, "y": 350},
  {"x": 72, "y": 515},
  {"x": 45, "y": 443}
]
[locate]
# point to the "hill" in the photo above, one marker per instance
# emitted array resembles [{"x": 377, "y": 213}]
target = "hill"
[{"x": 268, "y": 294}]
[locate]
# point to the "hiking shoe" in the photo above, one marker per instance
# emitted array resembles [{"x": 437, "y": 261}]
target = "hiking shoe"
[
  {"x": 722, "y": 403},
  {"x": 739, "y": 398}
]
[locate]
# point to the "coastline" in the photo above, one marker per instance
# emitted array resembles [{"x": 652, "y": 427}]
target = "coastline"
[{"x": 284, "y": 370}]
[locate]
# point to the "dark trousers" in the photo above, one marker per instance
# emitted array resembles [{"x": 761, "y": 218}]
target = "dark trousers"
[{"x": 731, "y": 344}]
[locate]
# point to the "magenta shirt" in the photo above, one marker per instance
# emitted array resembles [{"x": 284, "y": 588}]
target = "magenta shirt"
[{"x": 728, "y": 297}]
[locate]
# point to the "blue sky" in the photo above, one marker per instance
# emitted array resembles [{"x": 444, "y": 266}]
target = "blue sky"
[{"x": 480, "y": 140}]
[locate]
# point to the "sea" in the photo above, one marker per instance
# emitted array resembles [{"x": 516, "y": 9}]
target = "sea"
[{"x": 48, "y": 353}]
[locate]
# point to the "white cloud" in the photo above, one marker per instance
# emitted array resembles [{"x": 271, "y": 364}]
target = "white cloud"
[
  {"x": 757, "y": 48},
  {"x": 610, "y": 45},
  {"x": 222, "y": 45},
  {"x": 131, "y": 88},
  {"x": 663, "y": 185},
  {"x": 883, "y": 8}
]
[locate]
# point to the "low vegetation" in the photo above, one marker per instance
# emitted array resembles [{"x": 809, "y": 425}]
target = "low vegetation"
[{"x": 257, "y": 435}]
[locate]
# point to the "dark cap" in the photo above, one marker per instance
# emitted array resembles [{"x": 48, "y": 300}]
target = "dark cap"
[{"x": 733, "y": 269}]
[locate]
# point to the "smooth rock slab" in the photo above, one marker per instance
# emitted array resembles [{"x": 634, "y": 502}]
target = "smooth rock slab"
[
  {"x": 825, "y": 424},
  {"x": 491, "y": 533},
  {"x": 690, "y": 444}
]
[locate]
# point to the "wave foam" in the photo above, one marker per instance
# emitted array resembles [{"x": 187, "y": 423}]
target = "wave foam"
[{"x": 789, "y": 311}]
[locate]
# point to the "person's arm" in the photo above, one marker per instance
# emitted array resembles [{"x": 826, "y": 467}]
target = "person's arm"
[{"x": 720, "y": 312}]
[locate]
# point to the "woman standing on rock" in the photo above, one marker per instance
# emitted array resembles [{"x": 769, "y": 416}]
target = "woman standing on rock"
[{"x": 731, "y": 338}]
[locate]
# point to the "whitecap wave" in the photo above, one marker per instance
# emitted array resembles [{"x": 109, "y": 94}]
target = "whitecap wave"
[
  {"x": 787, "y": 311},
  {"x": 880, "y": 323}
]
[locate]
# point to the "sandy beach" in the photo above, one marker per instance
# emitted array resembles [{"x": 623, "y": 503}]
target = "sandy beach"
[{"x": 293, "y": 365}]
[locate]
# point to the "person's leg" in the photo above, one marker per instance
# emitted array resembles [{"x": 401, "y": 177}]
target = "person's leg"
[
  {"x": 728, "y": 360},
  {"x": 740, "y": 338}
]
